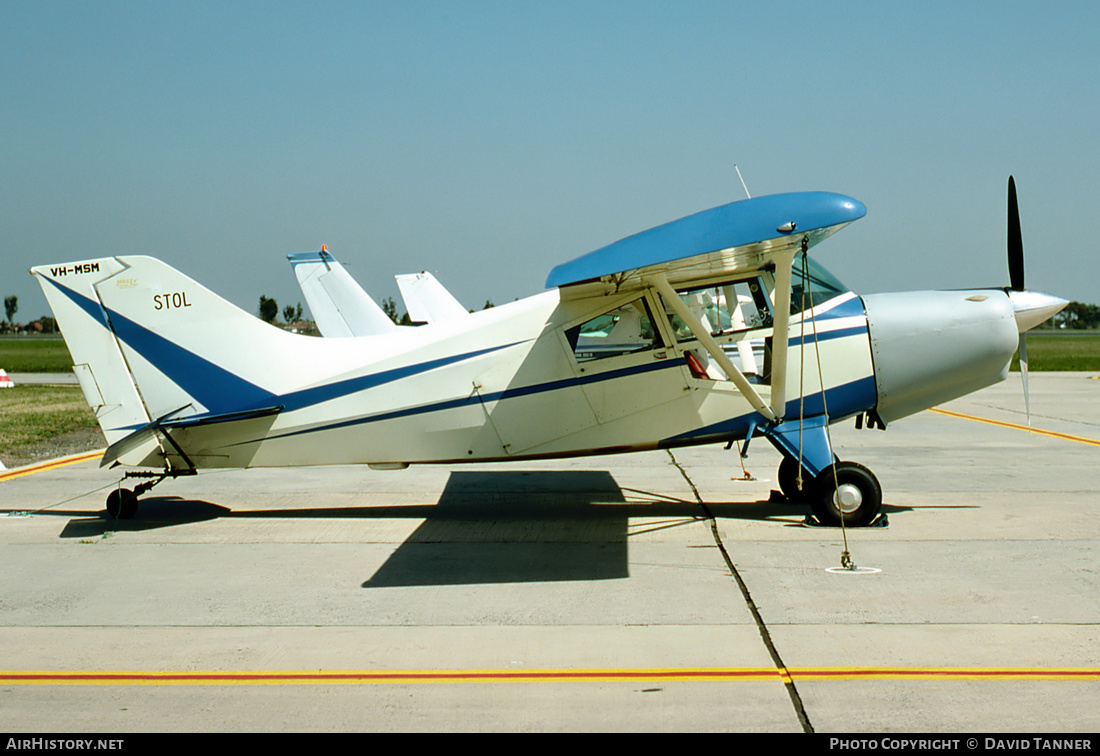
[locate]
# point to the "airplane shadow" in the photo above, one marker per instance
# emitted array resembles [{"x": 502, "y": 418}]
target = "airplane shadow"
[
  {"x": 487, "y": 527},
  {"x": 156, "y": 512},
  {"x": 520, "y": 527}
]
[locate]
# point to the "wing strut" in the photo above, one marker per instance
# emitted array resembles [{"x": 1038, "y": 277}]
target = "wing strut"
[
  {"x": 661, "y": 284},
  {"x": 781, "y": 318}
]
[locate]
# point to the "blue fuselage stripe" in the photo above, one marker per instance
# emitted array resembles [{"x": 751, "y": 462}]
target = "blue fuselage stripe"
[
  {"x": 216, "y": 388},
  {"x": 221, "y": 391},
  {"x": 307, "y": 397},
  {"x": 856, "y": 393},
  {"x": 840, "y": 333},
  {"x": 474, "y": 399},
  {"x": 841, "y": 401}
]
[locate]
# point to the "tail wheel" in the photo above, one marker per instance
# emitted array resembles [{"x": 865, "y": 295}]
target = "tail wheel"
[
  {"x": 122, "y": 504},
  {"x": 846, "y": 490}
]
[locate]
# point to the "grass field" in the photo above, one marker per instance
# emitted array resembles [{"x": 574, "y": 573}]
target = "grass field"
[
  {"x": 35, "y": 354},
  {"x": 1061, "y": 351},
  {"x": 34, "y": 415}
]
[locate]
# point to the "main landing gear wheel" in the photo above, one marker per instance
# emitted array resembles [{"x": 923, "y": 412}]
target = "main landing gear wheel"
[
  {"x": 848, "y": 490},
  {"x": 122, "y": 504}
]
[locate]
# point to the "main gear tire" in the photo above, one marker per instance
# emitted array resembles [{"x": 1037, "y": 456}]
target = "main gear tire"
[{"x": 848, "y": 492}]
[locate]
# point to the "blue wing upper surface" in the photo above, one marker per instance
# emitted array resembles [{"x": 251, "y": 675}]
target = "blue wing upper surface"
[{"x": 751, "y": 228}]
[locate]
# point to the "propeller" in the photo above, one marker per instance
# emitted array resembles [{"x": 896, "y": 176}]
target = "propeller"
[
  {"x": 1030, "y": 308},
  {"x": 1015, "y": 240},
  {"x": 1016, "y": 280}
]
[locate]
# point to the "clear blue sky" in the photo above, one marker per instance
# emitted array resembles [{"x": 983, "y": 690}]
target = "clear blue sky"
[{"x": 489, "y": 141}]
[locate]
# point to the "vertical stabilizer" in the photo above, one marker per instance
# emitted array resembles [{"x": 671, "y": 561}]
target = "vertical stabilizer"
[
  {"x": 149, "y": 343},
  {"x": 338, "y": 304},
  {"x": 156, "y": 351},
  {"x": 426, "y": 299}
]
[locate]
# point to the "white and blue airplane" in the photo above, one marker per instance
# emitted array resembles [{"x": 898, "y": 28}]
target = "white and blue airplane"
[{"x": 613, "y": 358}]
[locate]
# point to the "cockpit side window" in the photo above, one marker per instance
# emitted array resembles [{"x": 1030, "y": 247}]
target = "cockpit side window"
[
  {"x": 627, "y": 329},
  {"x": 724, "y": 308}
]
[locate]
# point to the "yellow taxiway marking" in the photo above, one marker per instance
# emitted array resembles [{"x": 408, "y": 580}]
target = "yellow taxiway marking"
[
  {"x": 52, "y": 464},
  {"x": 405, "y": 677},
  {"x": 944, "y": 673},
  {"x": 1014, "y": 426}
]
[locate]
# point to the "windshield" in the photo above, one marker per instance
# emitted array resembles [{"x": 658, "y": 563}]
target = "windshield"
[{"x": 810, "y": 277}]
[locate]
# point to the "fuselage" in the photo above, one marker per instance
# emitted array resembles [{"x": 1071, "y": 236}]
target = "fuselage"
[
  {"x": 517, "y": 382},
  {"x": 572, "y": 371}
]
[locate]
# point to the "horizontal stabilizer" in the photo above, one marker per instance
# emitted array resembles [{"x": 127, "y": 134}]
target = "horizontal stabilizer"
[{"x": 148, "y": 432}]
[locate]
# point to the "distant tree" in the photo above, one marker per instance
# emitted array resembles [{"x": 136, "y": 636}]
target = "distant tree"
[
  {"x": 288, "y": 314},
  {"x": 1079, "y": 316},
  {"x": 298, "y": 313},
  {"x": 269, "y": 309},
  {"x": 390, "y": 308},
  {"x": 44, "y": 324},
  {"x": 11, "y": 306},
  {"x": 488, "y": 304}
]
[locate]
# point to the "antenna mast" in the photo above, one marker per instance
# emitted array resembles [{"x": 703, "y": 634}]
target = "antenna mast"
[{"x": 742, "y": 181}]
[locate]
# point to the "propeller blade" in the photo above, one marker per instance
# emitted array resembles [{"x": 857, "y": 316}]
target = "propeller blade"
[
  {"x": 1015, "y": 240},
  {"x": 1023, "y": 376}
]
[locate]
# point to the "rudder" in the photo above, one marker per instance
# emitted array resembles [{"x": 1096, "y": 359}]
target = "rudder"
[{"x": 98, "y": 361}]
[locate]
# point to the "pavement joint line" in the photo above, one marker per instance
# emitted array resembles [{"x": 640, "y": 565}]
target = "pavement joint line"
[
  {"x": 761, "y": 626},
  {"x": 1016, "y": 426}
]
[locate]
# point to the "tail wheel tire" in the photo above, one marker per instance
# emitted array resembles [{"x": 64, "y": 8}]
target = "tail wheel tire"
[
  {"x": 122, "y": 504},
  {"x": 847, "y": 490}
]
